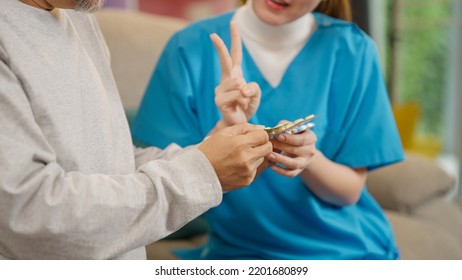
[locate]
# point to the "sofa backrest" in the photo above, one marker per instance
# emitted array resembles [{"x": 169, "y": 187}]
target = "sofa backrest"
[{"x": 135, "y": 41}]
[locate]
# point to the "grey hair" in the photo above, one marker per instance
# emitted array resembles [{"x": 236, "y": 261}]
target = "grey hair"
[{"x": 88, "y": 6}]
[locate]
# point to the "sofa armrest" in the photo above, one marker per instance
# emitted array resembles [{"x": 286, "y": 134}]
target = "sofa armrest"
[
  {"x": 420, "y": 240},
  {"x": 406, "y": 185}
]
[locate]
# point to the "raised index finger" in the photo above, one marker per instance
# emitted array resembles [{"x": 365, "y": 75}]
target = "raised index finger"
[{"x": 225, "y": 60}]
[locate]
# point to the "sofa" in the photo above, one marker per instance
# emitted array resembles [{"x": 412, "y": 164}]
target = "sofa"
[{"x": 415, "y": 194}]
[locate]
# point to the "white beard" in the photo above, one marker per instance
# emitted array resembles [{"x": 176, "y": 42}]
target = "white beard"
[{"x": 88, "y": 6}]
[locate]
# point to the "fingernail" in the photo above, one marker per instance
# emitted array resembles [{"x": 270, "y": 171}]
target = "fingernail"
[
  {"x": 281, "y": 137},
  {"x": 271, "y": 157},
  {"x": 247, "y": 91}
]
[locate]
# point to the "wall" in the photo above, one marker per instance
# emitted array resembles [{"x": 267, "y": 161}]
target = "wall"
[{"x": 187, "y": 9}]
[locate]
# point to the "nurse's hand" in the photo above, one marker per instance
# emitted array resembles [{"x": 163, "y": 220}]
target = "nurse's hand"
[
  {"x": 237, "y": 100},
  {"x": 293, "y": 153}
]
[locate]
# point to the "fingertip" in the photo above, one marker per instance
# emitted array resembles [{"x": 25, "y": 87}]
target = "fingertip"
[
  {"x": 247, "y": 91},
  {"x": 233, "y": 25},
  {"x": 281, "y": 138},
  {"x": 272, "y": 157}
]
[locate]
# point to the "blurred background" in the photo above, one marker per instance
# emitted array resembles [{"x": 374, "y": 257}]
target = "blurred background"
[{"x": 420, "y": 44}]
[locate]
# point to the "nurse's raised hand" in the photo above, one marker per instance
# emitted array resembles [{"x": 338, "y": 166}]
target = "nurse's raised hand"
[{"x": 237, "y": 100}]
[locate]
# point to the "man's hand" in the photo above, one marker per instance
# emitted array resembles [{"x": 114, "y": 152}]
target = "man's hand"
[{"x": 236, "y": 152}]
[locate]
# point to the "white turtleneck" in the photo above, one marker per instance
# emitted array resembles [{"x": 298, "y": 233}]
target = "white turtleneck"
[{"x": 272, "y": 47}]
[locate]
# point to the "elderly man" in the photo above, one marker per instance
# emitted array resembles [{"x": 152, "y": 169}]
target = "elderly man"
[{"x": 71, "y": 184}]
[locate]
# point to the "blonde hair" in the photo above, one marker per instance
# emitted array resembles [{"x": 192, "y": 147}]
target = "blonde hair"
[{"x": 334, "y": 8}]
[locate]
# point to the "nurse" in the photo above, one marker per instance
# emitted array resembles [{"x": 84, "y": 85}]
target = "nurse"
[{"x": 302, "y": 57}]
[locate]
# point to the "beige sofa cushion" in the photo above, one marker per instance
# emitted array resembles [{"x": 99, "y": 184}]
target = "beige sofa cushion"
[
  {"x": 420, "y": 240},
  {"x": 135, "y": 40},
  {"x": 408, "y": 184},
  {"x": 444, "y": 214}
]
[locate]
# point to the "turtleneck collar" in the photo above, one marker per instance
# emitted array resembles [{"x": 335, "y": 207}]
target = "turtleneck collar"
[{"x": 280, "y": 36}]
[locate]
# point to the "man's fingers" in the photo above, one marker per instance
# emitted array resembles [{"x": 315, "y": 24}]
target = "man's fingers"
[
  {"x": 236, "y": 46},
  {"x": 263, "y": 150},
  {"x": 225, "y": 60},
  {"x": 257, "y": 137},
  {"x": 244, "y": 128}
]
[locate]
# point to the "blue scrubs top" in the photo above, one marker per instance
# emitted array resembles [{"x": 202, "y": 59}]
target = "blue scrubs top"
[{"x": 336, "y": 76}]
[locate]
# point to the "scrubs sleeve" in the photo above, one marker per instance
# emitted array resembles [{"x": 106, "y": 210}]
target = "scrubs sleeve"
[
  {"x": 167, "y": 112},
  {"x": 371, "y": 136}
]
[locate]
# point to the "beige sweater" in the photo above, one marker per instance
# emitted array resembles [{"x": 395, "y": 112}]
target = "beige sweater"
[{"x": 71, "y": 184}]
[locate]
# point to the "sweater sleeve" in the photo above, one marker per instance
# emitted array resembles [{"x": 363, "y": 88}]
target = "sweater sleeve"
[
  {"x": 47, "y": 212},
  {"x": 144, "y": 155}
]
